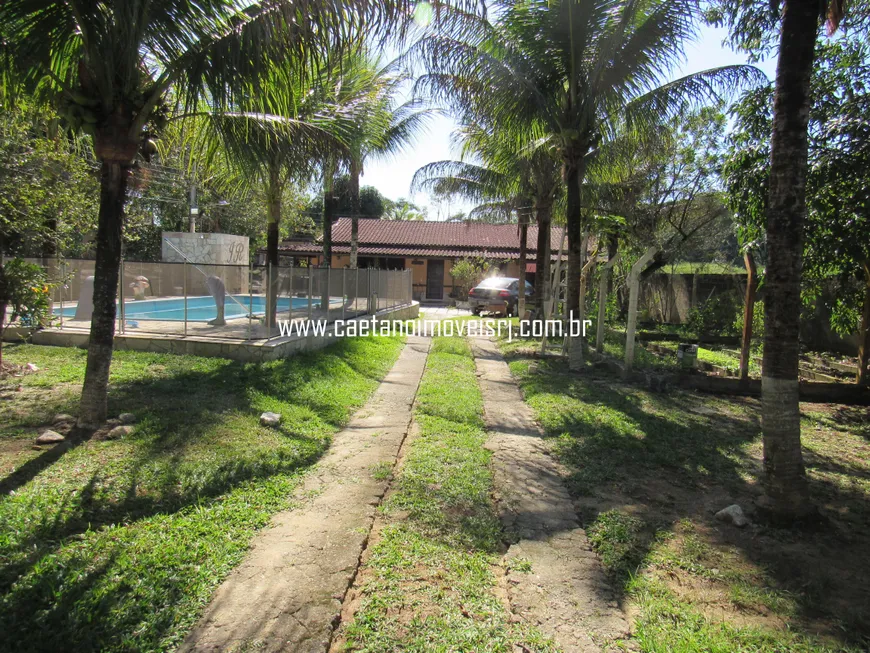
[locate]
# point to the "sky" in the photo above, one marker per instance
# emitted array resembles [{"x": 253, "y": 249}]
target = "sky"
[{"x": 393, "y": 177}]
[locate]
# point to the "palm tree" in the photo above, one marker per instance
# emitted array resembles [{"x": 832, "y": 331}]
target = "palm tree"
[
  {"x": 111, "y": 66},
  {"x": 262, "y": 148},
  {"x": 571, "y": 70},
  {"x": 786, "y": 214},
  {"x": 384, "y": 129}
]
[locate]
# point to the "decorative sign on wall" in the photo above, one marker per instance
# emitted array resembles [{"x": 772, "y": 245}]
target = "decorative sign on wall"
[{"x": 205, "y": 249}]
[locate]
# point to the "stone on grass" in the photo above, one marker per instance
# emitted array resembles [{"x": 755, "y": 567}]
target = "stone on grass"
[
  {"x": 49, "y": 437},
  {"x": 733, "y": 514},
  {"x": 270, "y": 419},
  {"x": 119, "y": 432},
  {"x": 127, "y": 418},
  {"x": 63, "y": 418}
]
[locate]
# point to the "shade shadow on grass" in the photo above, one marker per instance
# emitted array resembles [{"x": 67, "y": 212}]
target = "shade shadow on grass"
[
  {"x": 647, "y": 466},
  {"x": 118, "y": 545}
]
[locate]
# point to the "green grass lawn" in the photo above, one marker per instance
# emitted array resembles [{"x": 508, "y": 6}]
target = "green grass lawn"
[
  {"x": 430, "y": 582},
  {"x": 118, "y": 545},
  {"x": 649, "y": 469}
]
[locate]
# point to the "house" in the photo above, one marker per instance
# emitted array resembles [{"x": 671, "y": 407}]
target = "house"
[{"x": 430, "y": 249}]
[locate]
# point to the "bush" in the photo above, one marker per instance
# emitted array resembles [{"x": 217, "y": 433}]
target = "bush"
[
  {"x": 757, "y": 322},
  {"x": 467, "y": 273},
  {"x": 25, "y": 292},
  {"x": 718, "y": 315}
]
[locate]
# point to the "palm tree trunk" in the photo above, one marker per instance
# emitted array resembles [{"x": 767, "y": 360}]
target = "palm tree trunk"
[
  {"x": 113, "y": 192},
  {"x": 330, "y": 205},
  {"x": 543, "y": 212},
  {"x": 573, "y": 173},
  {"x": 524, "y": 240},
  {"x": 783, "y": 462},
  {"x": 272, "y": 237},
  {"x": 354, "y": 211}
]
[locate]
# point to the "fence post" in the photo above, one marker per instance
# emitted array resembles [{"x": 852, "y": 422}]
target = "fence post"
[
  {"x": 634, "y": 291},
  {"x": 328, "y": 291},
  {"x": 310, "y": 289},
  {"x": 60, "y": 287},
  {"x": 343, "y": 292},
  {"x": 121, "y": 293},
  {"x": 356, "y": 294},
  {"x": 250, "y": 297},
  {"x": 290, "y": 309},
  {"x": 184, "y": 274}
]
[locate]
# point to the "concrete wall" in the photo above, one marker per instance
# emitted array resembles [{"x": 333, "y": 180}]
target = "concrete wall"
[{"x": 215, "y": 249}]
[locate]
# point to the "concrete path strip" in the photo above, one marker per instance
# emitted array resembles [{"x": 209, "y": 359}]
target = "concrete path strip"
[
  {"x": 288, "y": 592},
  {"x": 567, "y": 594}
]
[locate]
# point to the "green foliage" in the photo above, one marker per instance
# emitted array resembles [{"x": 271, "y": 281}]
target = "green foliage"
[
  {"x": 468, "y": 272},
  {"x": 48, "y": 184},
  {"x": 403, "y": 209},
  {"x": 835, "y": 243},
  {"x": 25, "y": 289},
  {"x": 757, "y": 323},
  {"x": 718, "y": 315}
]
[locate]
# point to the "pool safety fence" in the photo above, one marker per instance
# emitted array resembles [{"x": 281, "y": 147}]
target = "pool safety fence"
[{"x": 222, "y": 301}]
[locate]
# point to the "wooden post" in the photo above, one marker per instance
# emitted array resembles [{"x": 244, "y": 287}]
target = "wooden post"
[
  {"x": 864, "y": 332},
  {"x": 748, "y": 314},
  {"x": 634, "y": 291},
  {"x": 603, "y": 287}
]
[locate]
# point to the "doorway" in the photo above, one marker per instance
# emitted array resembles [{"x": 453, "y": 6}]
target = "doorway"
[{"x": 435, "y": 280}]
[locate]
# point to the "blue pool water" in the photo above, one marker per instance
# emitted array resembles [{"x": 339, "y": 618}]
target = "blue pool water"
[{"x": 201, "y": 309}]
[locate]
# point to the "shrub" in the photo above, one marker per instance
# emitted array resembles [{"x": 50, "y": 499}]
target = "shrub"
[
  {"x": 718, "y": 315},
  {"x": 25, "y": 292}
]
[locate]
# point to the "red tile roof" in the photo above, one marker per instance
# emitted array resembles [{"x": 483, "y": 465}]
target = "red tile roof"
[{"x": 433, "y": 239}]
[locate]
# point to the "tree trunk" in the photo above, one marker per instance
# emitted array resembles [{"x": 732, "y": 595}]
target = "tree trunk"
[
  {"x": 543, "y": 212},
  {"x": 573, "y": 173},
  {"x": 524, "y": 239},
  {"x": 748, "y": 315},
  {"x": 330, "y": 206},
  {"x": 272, "y": 237},
  {"x": 864, "y": 332},
  {"x": 113, "y": 191},
  {"x": 354, "y": 211},
  {"x": 786, "y": 482}
]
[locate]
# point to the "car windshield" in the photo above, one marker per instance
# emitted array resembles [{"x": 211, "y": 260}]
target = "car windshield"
[{"x": 496, "y": 282}]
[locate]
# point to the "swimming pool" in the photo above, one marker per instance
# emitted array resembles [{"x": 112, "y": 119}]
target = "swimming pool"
[{"x": 201, "y": 309}]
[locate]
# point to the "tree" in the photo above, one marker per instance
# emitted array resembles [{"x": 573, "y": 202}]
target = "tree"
[
  {"x": 47, "y": 183},
  {"x": 403, "y": 209},
  {"x": 569, "y": 70},
  {"x": 385, "y": 128},
  {"x": 838, "y": 212},
  {"x": 264, "y": 147},
  {"x": 115, "y": 68},
  {"x": 786, "y": 210},
  {"x": 372, "y": 204}
]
